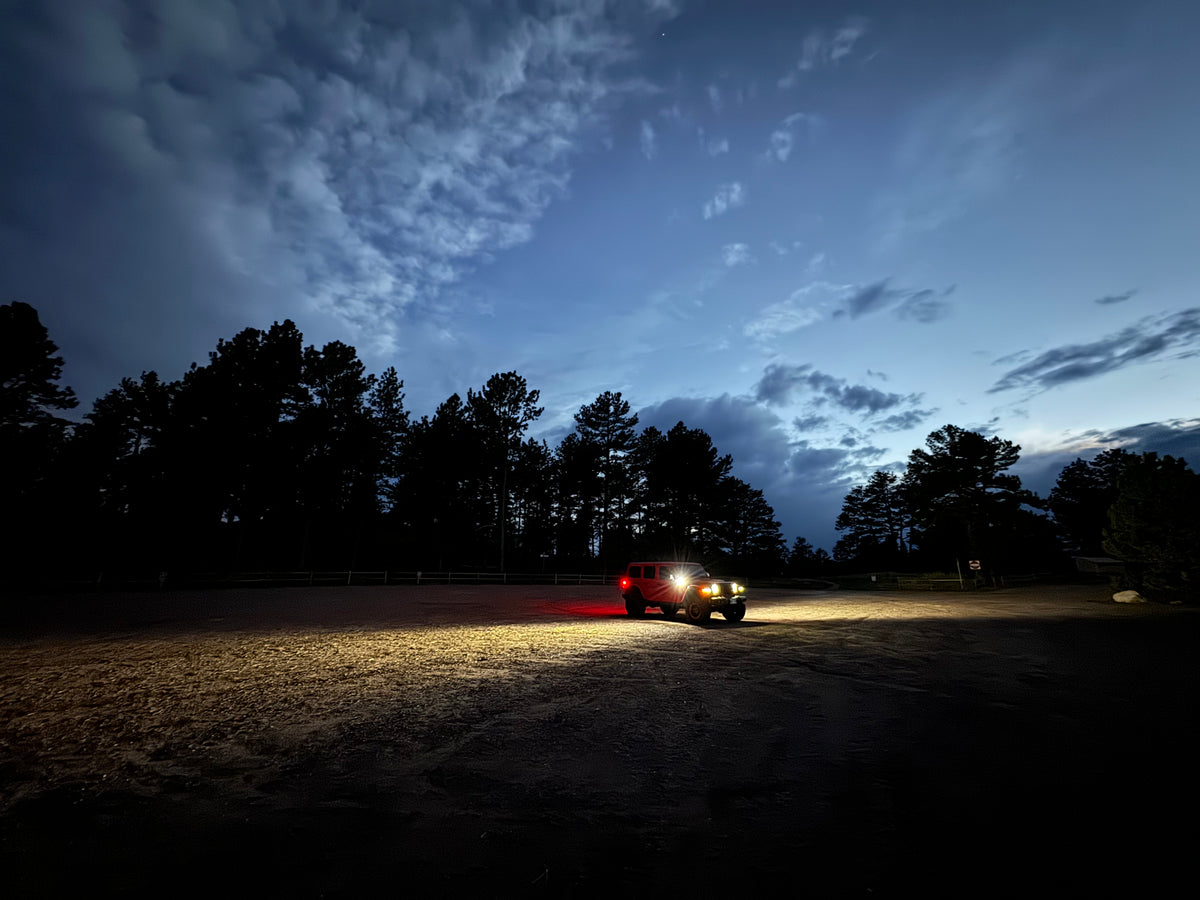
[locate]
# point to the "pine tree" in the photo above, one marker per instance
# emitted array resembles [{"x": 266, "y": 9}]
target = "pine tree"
[{"x": 1154, "y": 528}]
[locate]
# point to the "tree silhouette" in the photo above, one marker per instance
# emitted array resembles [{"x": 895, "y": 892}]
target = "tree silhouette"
[
  {"x": 119, "y": 473},
  {"x": 576, "y": 468},
  {"x": 502, "y": 411},
  {"x": 873, "y": 519},
  {"x": 31, "y": 434},
  {"x": 29, "y": 371},
  {"x": 962, "y": 502},
  {"x": 385, "y": 405},
  {"x": 606, "y": 426},
  {"x": 1082, "y": 496},
  {"x": 235, "y": 452},
  {"x": 277, "y": 455},
  {"x": 436, "y": 499},
  {"x": 745, "y": 529},
  {"x": 681, "y": 474},
  {"x": 1153, "y": 526}
]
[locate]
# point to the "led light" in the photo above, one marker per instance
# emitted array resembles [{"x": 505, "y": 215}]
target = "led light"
[
  {"x": 715, "y": 590},
  {"x": 706, "y": 591}
]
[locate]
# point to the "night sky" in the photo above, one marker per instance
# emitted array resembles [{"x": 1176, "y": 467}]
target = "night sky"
[{"x": 817, "y": 230}]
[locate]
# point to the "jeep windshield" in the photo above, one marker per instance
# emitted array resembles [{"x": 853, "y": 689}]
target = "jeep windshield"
[{"x": 689, "y": 571}]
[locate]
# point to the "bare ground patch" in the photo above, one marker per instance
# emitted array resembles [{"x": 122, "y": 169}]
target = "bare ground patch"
[{"x": 507, "y": 741}]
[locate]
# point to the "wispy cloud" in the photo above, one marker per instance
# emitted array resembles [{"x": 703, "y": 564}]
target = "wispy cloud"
[
  {"x": 648, "y": 140},
  {"x": 1148, "y": 340},
  {"x": 822, "y": 48},
  {"x": 925, "y": 305},
  {"x": 782, "y": 249},
  {"x": 1112, "y": 299},
  {"x": 736, "y": 254},
  {"x": 783, "y": 138},
  {"x": 845, "y": 38},
  {"x": 966, "y": 145},
  {"x": 728, "y": 196},
  {"x": 714, "y": 97},
  {"x": 803, "y": 307}
]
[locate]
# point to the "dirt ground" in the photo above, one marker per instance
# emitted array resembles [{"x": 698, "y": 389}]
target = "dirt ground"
[{"x": 534, "y": 741}]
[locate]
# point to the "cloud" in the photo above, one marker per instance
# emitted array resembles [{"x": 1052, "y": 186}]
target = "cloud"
[
  {"x": 801, "y": 309},
  {"x": 1146, "y": 341},
  {"x": 845, "y": 38},
  {"x": 803, "y": 481},
  {"x": 736, "y": 254},
  {"x": 820, "y": 49},
  {"x": 714, "y": 97},
  {"x": 924, "y": 306},
  {"x": 295, "y": 156},
  {"x": 648, "y": 141},
  {"x": 727, "y": 197},
  {"x": 782, "y": 384},
  {"x": 809, "y": 423},
  {"x": 1115, "y": 298},
  {"x": 905, "y": 420},
  {"x": 870, "y": 298},
  {"x": 965, "y": 146},
  {"x": 782, "y": 249},
  {"x": 1039, "y": 470},
  {"x": 717, "y": 147},
  {"x": 783, "y": 138}
]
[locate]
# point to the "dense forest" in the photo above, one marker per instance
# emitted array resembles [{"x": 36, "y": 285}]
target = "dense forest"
[
  {"x": 955, "y": 501},
  {"x": 274, "y": 455}
]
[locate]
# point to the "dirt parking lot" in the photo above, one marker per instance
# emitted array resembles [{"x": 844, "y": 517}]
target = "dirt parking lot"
[{"x": 534, "y": 741}]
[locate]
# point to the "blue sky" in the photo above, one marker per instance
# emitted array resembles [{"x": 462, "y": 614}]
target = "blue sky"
[{"x": 819, "y": 231}]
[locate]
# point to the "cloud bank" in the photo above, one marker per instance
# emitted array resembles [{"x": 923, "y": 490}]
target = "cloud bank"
[
  {"x": 1146, "y": 341},
  {"x": 362, "y": 158}
]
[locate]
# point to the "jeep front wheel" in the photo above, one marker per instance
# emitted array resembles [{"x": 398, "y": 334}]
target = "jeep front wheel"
[
  {"x": 695, "y": 609},
  {"x": 734, "y": 613}
]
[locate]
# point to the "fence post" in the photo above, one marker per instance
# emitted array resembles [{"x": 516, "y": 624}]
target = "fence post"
[{"x": 418, "y": 578}]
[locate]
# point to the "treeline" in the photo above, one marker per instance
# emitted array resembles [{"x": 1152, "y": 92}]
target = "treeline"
[
  {"x": 955, "y": 501},
  {"x": 274, "y": 455}
]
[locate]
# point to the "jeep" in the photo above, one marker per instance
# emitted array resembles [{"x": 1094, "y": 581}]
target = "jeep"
[{"x": 672, "y": 586}]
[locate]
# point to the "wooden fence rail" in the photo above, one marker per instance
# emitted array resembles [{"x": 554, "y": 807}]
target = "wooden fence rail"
[{"x": 314, "y": 578}]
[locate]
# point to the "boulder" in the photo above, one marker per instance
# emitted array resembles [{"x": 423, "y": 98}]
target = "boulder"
[{"x": 1128, "y": 597}]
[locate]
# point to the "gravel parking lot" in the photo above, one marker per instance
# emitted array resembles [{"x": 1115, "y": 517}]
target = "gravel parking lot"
[{"x": 532, "y": 741}]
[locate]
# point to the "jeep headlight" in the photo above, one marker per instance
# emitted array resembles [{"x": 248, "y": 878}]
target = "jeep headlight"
[
  {"x": 738, "y": 588},
  {"x": 715, "y": 590}
]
